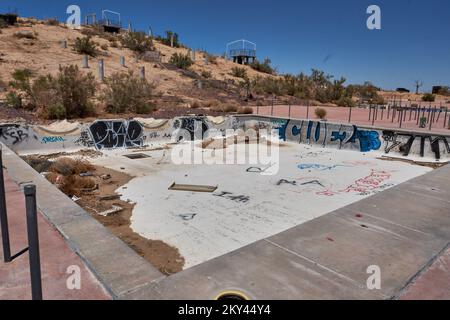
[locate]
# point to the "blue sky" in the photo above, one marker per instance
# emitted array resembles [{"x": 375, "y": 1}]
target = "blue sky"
[{"x": 331, "y": 35}]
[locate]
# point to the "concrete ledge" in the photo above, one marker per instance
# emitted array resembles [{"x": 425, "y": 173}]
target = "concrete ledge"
[{"x": 114, "y": 264}]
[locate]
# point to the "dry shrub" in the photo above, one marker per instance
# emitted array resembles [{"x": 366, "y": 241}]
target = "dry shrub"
[
  {"x": 37, "y": 163},
  {"x": 245, "y": 110},
  {"x": 25, "y": 35},
  {"x": 196, "y": 105},
  {"x": 68, "y": 166},
  {"x": 74, "y": 185},
  {"x": 211, "y": 103},
  {"x": 125, "y": 92},
  {"x": 86, "y": 46},
  {"x": 51, "y": 22},
  {"x": 52, "y": 177},
  {"x": 230, "y": 108},
  {"x": 321, "y": 113},
  {"x": 137, "y": 41}
]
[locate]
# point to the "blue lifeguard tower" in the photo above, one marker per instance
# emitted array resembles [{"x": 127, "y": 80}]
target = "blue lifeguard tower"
[{"x": 241, "y": 51}]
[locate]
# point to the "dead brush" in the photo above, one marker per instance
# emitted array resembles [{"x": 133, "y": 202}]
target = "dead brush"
[
  {"x": 245, "y": 110},
  {"x": 68, "y": 166},
  {"x": 74, "y": 185}
]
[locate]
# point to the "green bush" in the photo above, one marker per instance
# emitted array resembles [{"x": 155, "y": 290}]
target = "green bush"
[
  {"x": 346, "y": 102},
  {"x": 137, "y": 42},
  {"x": 181, "y": 61},
  {"x": 128, "y": 93},
  {"x": 264, "y": 66},
  {"x": 14, "y": 100},
  {"x": 22, "y": 81},
  {"x": 166, "y": 40},
  {"x": 428, "y": 97},
  {"x": 86, "y": 46},
  {"x": 239, "y": 72},
  {"x": 66, "y": 95},
  {"x": 56, "y": 111}
]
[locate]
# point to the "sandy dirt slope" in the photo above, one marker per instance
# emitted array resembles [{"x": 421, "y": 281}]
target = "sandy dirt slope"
[{"x": 44, "y": 54}]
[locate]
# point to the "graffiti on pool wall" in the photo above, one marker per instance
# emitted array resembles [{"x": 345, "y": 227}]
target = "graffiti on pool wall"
[
  {"x": 111, "y": 134},
  {"x": 403, "y": 142},
  {"x": 46, "y": 140},
  {"x": 12, "y": 134},
  {"x": 325, "y": 134},
  {"x": 195, "y": 126}
]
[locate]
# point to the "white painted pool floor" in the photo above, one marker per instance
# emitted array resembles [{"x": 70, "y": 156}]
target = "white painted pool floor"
[{"x": 247, "y": 206}]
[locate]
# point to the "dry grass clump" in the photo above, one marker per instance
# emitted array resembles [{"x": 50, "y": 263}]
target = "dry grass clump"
[
  {"x": 75, "y": 185},
  {"x": 68, "y": 166},
  {"x": 321, "y": 113},
  {"x": 245, "y": 110},
  {"x": 196, "y": 105},
  {"x": 65, "y": 174}
]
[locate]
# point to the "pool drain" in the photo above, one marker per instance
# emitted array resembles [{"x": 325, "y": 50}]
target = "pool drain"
[{"x": 232, "y": 295}]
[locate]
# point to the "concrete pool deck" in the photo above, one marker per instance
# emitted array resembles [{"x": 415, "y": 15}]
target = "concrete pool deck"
[{"x": 403, "y": 230}]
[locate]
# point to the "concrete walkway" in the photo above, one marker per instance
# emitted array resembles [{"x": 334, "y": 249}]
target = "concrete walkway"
[{"x": 56, "y": 257}]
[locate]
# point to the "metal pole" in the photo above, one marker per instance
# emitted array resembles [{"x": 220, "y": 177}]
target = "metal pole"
[
  {"x": 373, "y": 117},
  {"x": 382, "y": 112},
  {"x": 289, "y": 110},
  {"x": 33, "y": 242},
  {"x": 370, "y": 112},
  {"x": 101, "y": 70},
  {"x": 307, "y": 109},
  {"x": 271, "y": 112},
  {"x": 350, "y": 114},
  {"x": 4, "y": 215},
  {"x": 401, "y": 117},
  {"x": 389, "y": 111},
  {"x": 85, "y": 61},
  {"x": 445, "y": 118}
]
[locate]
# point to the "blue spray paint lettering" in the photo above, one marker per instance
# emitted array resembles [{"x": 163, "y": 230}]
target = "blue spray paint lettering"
[{"x": 52, "y": 139}]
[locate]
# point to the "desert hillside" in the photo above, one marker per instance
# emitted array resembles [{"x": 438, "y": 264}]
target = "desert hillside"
[
  {"x": 37, "y": 45},
  {"x": 211, "y": 85}
]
